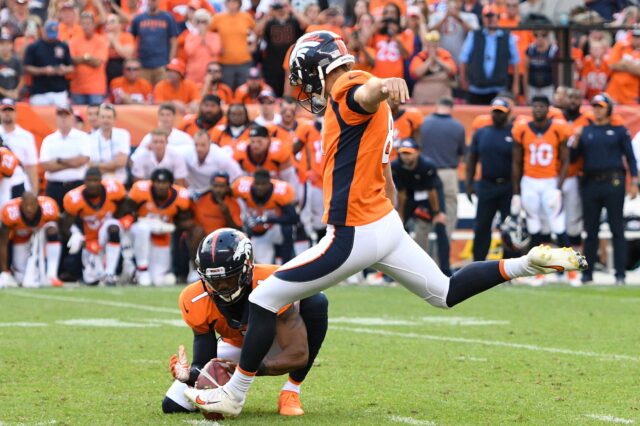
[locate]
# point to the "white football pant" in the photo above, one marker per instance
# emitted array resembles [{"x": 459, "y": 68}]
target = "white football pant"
[
  {"x": 156, "y": 259},
  {"x": 539, "y": 203},
  {"x": 312, "y": 211},
  {"x": 95, "y": 266},
  {"x": 36, "y": 260},
  {"x": 264, "y": 248},
  {"x": 572, "y": 204}
]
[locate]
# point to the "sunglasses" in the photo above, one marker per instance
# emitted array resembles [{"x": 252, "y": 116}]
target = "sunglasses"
[
  {"x": 214, "y": 71},
  {"x": 202, "y": 21},
  {"x": 132, "y": 68}
]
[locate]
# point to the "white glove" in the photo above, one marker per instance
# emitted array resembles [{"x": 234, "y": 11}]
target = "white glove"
[
  {"x": 158, "y": 226},
  {"x": 7, "y": 280},
  {"x": 180, "y": 367},
  {"x": 516, "y": 205},
  {"x": 75, "y": 242}
]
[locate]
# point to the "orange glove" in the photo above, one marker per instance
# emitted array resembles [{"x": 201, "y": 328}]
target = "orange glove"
[{"x": 179, "y": 365}]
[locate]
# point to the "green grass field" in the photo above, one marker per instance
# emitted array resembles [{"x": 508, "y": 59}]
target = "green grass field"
[{"x": 552, "y": 355}]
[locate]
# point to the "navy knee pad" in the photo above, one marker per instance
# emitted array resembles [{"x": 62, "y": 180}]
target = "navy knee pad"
[
  {"x": 51, "y": 235},
  {"x": 113, "y": 234}
]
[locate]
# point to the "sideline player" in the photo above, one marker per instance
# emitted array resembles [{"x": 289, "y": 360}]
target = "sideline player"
[
  {"x": 364, "y": 229},
  {"x": 218, "y": 303},
  {"x": 27, "y": 222},
  {"x": 99, "y": 204}
]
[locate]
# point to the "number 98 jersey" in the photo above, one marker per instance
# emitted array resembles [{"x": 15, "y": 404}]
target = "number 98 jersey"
[{"x": 541, "y": 146}]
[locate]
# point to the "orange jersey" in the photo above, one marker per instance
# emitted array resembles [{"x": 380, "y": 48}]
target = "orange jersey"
[
  {"x": 167, "y": 210},
  {"x": 278, "y": 153},
  {"x": 222, "y": 91},
  {"x": 20, "y": 229},
  {"x": 243, "y": 95},
  {"x": 209, "y": 216},
  {"x": 190, "y": 124},
  {"x": 541, "y": 147},
  {"x": 361, "y": 60},
  {"x": 308, "y": 160},
  {"x": 282, "y": 195},
  {"x": 594, "y": 76},
  {"x": 200, "y": 312},
  {"x": 624, "y": 87},
  {"x": 405, "y": 125},
  {"x": 186, "y": 92},
  {"x": 221, "y": 136},
  {"x": 422, "y": 57},
  {"x": 389, "y": 61},
  {"x": 94, "y": 212},
  {"x": 357, "y": 146},
  {"x": 138, "y": 91},
  {"x": 8, "y": 162}
]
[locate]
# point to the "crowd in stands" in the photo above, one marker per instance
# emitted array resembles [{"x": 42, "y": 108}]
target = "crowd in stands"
[
  {"x": 206, "y": 163},
  {"x": 155, "y": 51}
]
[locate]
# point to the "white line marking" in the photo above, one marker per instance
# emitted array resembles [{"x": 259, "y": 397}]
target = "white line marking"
[
  {"x": 23, "y": 324},
  {"x": 609, "y": 419},
  {"x": 616, "y": 357},
  {"x": 462, "y": 321},
  {"x": 371, "y": 321},
  {"x": 471, "y": 358},
  {"x": 146, "y": 361},
  {"x": 105, "y": 322},
  {"x": 437, "y": 320},
  {"x": 102, "y": 302},
  {"x": 411, "y": 421}
]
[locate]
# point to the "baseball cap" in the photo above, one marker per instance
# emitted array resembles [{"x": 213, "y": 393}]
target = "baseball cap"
[
  {"x": 266, "y": 95},
  {"x": 7, "y": 103},
  {"x": 408, "y": 145},
  {"x": 258, "y": 131},
  {"x": 66, "y": 108},
  {"x": 51, "y": 29},
  {"x": 177, "y": 65},
  {"x": 220, "y": 177},
  {"x": 499, "y": 104},
  {"x": 162, "y": 175},
  {"x": 600, "y": 100},
  {"x": 254, "y": 73}
]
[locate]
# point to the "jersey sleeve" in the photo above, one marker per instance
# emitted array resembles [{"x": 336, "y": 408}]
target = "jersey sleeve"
[
  {"x": 72, "y": 202},
  {"x": 10, "y": 214},
  {"x": 183, "y": 201},
  {"x": 138, "y": 191},
  {"x": 115, "y": 189},
  {"x": 284, "y": 193},
  {"x": 343, "y": 93},
  {"x": 50, "y": 209},
  {"x": 241, "y": 186},
  {"x": 194, "y": 303},
  {"x": 282, "y": 150},
  {"x": 518, "y": 132},
  {"x": 8, "y": 163}
]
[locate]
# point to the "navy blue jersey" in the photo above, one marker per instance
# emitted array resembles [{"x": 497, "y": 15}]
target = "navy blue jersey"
[
  {"x": 603, "y": 147},
  {"x": 494, "y": 148}
]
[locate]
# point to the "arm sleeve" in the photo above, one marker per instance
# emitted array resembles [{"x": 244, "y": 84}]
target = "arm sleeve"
[
  {"x": 205, "y": 347},
  {"x": 29, "y": 57},
  {"x": 473, "y": 148},
  {"x": 628, "y": 152}
]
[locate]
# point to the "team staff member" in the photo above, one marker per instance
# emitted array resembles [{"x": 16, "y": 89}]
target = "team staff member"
[
  {"x": 420, "y": 197},
  {"x": 492, "y": 146},
  {"x": 602, "y": 146}
]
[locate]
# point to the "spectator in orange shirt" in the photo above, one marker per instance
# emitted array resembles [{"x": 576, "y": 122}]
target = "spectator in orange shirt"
[
  {"x": 249, "y": 91},
  {"x": 121, "y": 46},
  {"x": 213, "y": 84},
  {"x": 201, "y": 47},
  {"x": 595, "y": 72},
  {"x": 393, "y": 44},
  {"x": 624, "y": 62},
  {"x": 179, "y": 8},
  {"x": 67, "y": 16},
  {"x": 234, "y": 27},
  {"x": 183, "y": 93},
  {"x": 433, "y": 69},
  {"x": 209, "y": 114},
  {"x": 364, "y": 55},
  {"x": 89, "y": 54},
  {"x": 131, "y": 88}
]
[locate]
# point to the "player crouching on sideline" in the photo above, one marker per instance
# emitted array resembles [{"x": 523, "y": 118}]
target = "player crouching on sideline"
[
  {"x": 160, "y": 207},
  {"x": 363, "y": 228},
  {"x": 270, "y": 214},
  {"x": 29, "y": 223},
  {"x": 218, "y": 303},
  {"x": 102, "y": 206}
]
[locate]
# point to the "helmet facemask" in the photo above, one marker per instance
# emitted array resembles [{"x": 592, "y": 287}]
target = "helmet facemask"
[
  {"x": 231, "y": 293},
  {"x": 312, "y": 96}
]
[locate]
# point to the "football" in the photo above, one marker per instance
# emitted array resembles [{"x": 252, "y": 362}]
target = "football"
[{"x": 212, "y": 375}]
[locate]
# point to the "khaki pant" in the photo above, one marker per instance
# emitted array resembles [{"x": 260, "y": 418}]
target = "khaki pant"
[
  {"x": 449, "y": 178},
  {"x": 422, "y": 229},
  {"x": 153, "y": 75}
]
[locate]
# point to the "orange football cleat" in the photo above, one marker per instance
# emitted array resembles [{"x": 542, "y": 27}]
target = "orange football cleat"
[
  {"x": 289, "y": 404},
  {"x": 56, "y": 282}
]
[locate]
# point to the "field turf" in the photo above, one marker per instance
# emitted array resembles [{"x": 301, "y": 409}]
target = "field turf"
[{"x": 542, "y": 356}]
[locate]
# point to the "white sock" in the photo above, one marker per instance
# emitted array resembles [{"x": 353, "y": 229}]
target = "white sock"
[
  {"x": 292, "y": 386},
  {"x": 52, "y": 252},
  {"x": 239, "y": 383},
  {"x": 112, "y": 253},
  {"x": 176, "y": 394},
  {"x": 518, "y": 267}
]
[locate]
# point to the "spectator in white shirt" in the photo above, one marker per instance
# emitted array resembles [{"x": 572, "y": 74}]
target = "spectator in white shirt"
[
  {"x": 92, "y": 118},
  {"x": 205, "y": 160},
  {"x": 22, "y": 143},
  {"x": 166, "y": 122},
  {"x": 64, "y": 156},
  {"x": 110, "y": 146},
  {"x": 159, "y": 155}
]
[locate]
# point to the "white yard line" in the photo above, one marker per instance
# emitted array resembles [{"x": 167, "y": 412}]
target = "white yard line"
[
  {"x": 616, "y": 357},
  {"x": 23, "y": 324},
  {"x": 610, "y": 419},
  {"x": 102, "y": 302},
  {"x": 411, "y": 421}
]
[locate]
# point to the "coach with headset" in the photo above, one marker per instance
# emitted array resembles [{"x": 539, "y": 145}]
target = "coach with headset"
[{"x": 602, "y": 146}]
